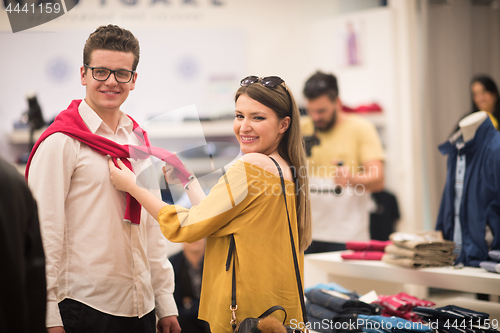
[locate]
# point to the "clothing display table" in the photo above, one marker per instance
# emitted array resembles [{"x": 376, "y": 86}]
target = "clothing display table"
[{"x": 468, "y": 279}]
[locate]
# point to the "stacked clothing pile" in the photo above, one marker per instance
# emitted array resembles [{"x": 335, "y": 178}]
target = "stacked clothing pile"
[
  {"x": 365, "y": 250},
  {"x": 418, "y": 250},
  {"x": 455, "y": 319},
  {"x": 380, "y": 324},
  {"x": 401, "y": 305},
  {"x": 331, "y": 310},
  {"x": 492, "y": 265}
]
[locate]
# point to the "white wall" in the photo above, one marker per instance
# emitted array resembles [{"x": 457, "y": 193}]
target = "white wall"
[
  {"x": 387, "y": 75},
  {"x": 374, "y": 79}
]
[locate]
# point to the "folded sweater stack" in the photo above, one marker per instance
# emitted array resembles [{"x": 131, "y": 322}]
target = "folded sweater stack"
[
  {"x": 380, "y": 324},
  {"x": 455, "y": 319},
  {"x": 330, "y": 310},
  {"x": 401, "y": 305},
  {"x": 419, "y": 250},
  {"x": 365, "y": 250},
  {"x": 492, "y": 265}
]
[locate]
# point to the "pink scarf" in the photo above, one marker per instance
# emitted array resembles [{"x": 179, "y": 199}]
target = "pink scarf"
[{"x": 70, "y": 122}]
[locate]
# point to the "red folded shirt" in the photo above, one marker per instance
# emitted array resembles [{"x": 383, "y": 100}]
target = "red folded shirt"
[
  {"x": 371, "y": 245},
  {"x": 71, "y": 123},
  {"x": 401, "y": 305},
  {"x": 362, "y": 255},
  {"x": 372, "y": 107}
]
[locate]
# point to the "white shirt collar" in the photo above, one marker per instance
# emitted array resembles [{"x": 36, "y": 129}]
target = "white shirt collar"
[{"x": 94, "y": 122}]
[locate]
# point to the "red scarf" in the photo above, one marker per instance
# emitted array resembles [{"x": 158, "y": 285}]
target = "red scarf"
[{"x": 70, "y": 123}]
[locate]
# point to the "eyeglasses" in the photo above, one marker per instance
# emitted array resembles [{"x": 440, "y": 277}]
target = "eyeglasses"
[
  {"x": 268, "y": 81},
  {"x": 102, "y": 74}
]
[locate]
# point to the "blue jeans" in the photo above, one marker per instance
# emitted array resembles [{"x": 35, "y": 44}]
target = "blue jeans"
[
  {"x": 319, "y": 312},
  {"x": 80, "y": 318},
  {"x": 319, "y": 326}
]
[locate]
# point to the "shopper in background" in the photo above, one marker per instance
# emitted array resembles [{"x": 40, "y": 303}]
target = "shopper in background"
[
  {"x": 23, "y": 295},
  {"x": 248, "y": 203},
  {"x": 485, "y": 97},
  {"x": 104, "y": 274},
  {"x": 188, "y": 268},
  {"x": 345, "y": 165}
]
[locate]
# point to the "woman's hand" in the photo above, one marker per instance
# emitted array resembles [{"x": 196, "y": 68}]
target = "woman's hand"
[{"x": 122, "y": 177}]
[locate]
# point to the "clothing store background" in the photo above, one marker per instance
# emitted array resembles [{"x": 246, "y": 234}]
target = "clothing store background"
[
  {"x": 416, "y": 61},
  {"x": 463, "y": 39}
]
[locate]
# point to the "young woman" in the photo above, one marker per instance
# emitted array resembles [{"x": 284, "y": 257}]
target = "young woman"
[
  {"x": 484, "y": 93},
  {"x": 248, "y": 203}
]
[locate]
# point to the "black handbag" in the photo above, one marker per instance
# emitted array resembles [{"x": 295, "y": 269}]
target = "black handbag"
[{"x": 249, "y": 325}]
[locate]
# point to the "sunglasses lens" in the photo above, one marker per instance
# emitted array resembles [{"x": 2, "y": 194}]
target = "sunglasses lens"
[
  {"x": 271, "y": 81},
  {"x": 249, "y": 80}
]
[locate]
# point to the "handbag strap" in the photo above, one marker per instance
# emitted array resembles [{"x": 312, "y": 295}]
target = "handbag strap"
[
  {"x": 231, "y": 254},
  {"x": 294, "y": 252}
]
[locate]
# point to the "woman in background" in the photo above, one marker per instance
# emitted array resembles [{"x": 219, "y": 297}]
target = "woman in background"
[
  {"x": 248, "y": 203},
  {"x": 485, "y": 97}
]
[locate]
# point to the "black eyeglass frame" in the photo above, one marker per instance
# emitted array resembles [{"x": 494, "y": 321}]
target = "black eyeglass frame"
[{"x": 111, "y": 72}]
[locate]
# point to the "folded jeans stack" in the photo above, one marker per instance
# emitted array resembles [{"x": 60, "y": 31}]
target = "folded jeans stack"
[
  {"x": 331, "y": 311},
  {"x": 419, "y": 250},
  {"x": 380, "y": 324},
  {"x": 455, "y": 319},
  {"x": 492, "y": 265},
  {"x": 365, "y": 250},
  {"x": 401, "y": 305}
]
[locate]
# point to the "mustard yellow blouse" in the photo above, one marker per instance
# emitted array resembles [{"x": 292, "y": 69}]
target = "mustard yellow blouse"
[
  {"x": 494, "y": 120},
  {"x": 247, "y": 202}
]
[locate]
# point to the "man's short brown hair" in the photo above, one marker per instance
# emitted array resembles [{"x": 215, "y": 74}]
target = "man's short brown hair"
[{"x": 113, "y": 38}]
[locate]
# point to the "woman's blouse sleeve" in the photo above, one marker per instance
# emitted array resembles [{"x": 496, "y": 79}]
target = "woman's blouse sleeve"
[{"x": 226, "y": 201}]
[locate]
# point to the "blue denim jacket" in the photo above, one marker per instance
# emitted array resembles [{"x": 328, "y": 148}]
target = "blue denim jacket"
[{"x": 481, "y": 194}]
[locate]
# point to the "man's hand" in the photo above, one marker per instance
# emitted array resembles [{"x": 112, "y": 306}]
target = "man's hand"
[
  {"x": 56, "y": 329},
  {"x": 170, "y": 176},
  {"x": 370, "y": 175},
  {"x": 168, "y": 325},
  {"x": 343, "y": 174}
]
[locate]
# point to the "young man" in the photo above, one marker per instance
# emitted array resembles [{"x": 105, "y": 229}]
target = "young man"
[
  {"x": 345, "y": 165},
  {"x": 104, "y": 273}
]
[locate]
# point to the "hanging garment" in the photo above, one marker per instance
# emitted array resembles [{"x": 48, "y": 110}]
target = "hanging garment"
[
  {"x": 480, "y": 202},
  {"x": 385, "y": 216}
]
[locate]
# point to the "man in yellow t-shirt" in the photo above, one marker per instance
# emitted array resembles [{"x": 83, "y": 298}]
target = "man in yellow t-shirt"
[{"x": 345, "y": 164}]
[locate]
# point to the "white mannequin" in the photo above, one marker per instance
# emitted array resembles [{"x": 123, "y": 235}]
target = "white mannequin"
[{"x": 471, "y": 123}]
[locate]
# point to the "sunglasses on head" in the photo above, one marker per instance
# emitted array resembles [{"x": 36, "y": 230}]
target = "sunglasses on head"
[{"x": 268, "y": 81}]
